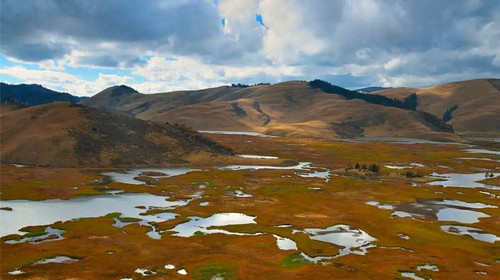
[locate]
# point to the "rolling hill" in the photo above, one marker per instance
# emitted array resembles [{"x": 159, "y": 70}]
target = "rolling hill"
[
  {"x": 30, "y": 95},
  {"x": 473, "y": 106},
  {"x": 286, "y": 109},
  {"x": 66, "y": 135}
]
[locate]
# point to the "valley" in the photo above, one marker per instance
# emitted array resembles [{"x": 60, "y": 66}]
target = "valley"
[
  {"x": 249, "y": 139},
  {"x": 290, "y": 207}
]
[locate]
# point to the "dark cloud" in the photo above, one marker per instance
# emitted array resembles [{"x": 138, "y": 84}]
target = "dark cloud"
[
  {"x": 101, "y": 61},
  {"x": 357, "y": 41},
  {"x": 182, "y": 26},
  {"x": 35, "y": 52}
]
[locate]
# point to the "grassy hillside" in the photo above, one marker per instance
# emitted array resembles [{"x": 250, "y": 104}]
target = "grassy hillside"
[
  {"x": 473, "y": 106},
  {"x": 9, "y": 107},
  {"x": 64, "y": 134},
  {"x": 287, "y": 109}
]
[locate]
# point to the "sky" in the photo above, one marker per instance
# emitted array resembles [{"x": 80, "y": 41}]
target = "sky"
[{"x": 83, "y": 47}]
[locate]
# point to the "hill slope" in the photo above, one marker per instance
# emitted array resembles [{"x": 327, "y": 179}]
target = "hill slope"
[
  {"x": 287, "y": 109},
  {"x": 477, "y": 110},
  {"x": 30, "y": 95},
  {"x": 64, "y": 134}
]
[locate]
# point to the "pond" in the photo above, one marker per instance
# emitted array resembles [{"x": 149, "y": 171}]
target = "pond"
[
  {"x": 285, "y": 243},
  {"x": 304, "y": 165},
  {"x": 247, "y": 133},
  {"x": 56, "y": 259},
  {"x": 46, "y": 212},
  {"x": 461, "y": 180},
  {"x": 128, "y": 177},
  {"x": 257, "y": 157},
  {"x": 316, "y": 174},
  {"x": 201, "y": 225},
  {"x": 437, "y": 209},
  {"x": 482, "y": 151},
  {"x": 401, "y": 140},
  {"x": 475, "y": 233},
  {"x": 483, "y": 159},
  {"x": 352, "y": 239}
]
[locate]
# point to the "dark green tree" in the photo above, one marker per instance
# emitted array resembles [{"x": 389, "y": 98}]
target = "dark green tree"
[
  {"x": 411, "y": 101},
  {"x": 447, "y": 115}
]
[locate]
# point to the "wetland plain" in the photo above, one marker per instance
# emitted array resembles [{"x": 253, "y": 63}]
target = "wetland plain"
[{"x": 301, "y": 210}]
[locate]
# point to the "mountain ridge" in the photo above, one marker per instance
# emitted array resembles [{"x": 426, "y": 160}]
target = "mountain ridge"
[
  {"x": 285, "y": 109},
  {"x": 33, "y": 94}
]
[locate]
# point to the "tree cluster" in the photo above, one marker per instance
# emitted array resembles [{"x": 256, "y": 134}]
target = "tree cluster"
[
  {"x": 411, "y": 174},
  {"x": 240, "y": 85},
  {"x": 409, "y": 103},
  {"x": 447, "y": 115},
  {"x": 373, "y": 167}
]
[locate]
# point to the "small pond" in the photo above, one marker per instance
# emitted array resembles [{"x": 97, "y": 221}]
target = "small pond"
[{"x": 247, "y": 133}]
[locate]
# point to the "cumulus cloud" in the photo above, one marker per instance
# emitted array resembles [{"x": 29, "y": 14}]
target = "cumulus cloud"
[
  {"x": 189, "y": 44},
  {"x": 63, "y": 81}
]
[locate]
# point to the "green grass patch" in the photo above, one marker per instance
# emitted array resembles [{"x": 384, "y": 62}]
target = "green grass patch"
[
  {"x": 198, "y": 233},
  {"x": 128, "y": 219},
  {"x": 113, "y": 215},
  {"x": 154, "y": 211},
  {"x": 285, "y": 189},
  {"x": 215, "y": 271},
  {"x": 294, "y": 260}
]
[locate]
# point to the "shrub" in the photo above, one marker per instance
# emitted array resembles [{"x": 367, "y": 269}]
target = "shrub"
[
  {"x": 410, "y": 174},
  {"x": 374, "y": 168}
]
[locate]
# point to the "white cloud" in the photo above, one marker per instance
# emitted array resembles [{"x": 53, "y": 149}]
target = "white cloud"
[
  {"x": 59, "y": 80},
  {"x": 238, "y": 14},
  {"x": 189, "y": 73},
  {"x": 291, "y": 31},
  {"x": 393, "y": 63}
]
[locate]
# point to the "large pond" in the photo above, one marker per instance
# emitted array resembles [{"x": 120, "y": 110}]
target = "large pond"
[
  {"x": 438, "y": 209},
  {"x": 475, "y": 233},
  {"x": 129, "y": 176},
  {"x": 482, "y": 151},
  {"x": 28, "y": 213},
  {"x": 400, "y": 140},
  {"x": 463, "y": 180},
  {"x": 300, "y": 166},
  {"x": 202, "y": 225}
]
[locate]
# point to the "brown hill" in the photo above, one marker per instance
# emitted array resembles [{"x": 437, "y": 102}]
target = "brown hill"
[
  {"x": 286, "y": 109},
  {"x": 64, "y": 134},
  {"x": 9, "y": 107},
  {"x": 477, "y": 101}
]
